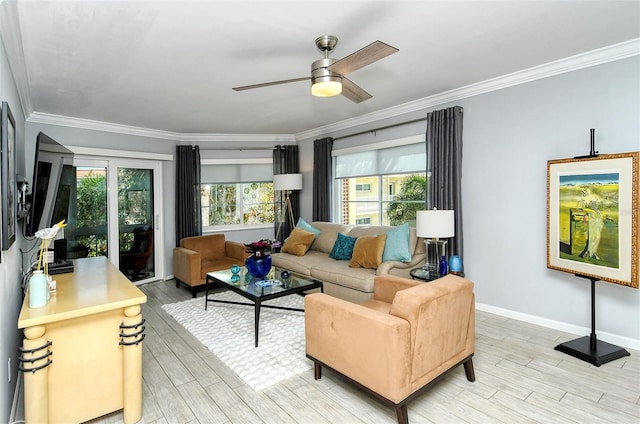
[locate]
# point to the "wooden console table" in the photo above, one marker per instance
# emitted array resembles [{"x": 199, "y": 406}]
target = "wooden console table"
[{"x": 82, "y": 353}]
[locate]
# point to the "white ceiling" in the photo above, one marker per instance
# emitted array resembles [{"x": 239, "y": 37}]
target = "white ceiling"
[{"x": 170, "y": 65}]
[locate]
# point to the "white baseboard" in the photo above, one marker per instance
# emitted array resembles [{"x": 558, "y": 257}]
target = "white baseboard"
[{"x": 561, "y": 326}]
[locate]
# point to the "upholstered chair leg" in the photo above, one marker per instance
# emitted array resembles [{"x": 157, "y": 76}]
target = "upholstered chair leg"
[
  {"x": 177, "y": 283},
  {"x": 401, "y": 413},
  {"x": 468, "y": 369},
  {"x": 194, "y": 292},
  {"x": 317, "y": 371}
]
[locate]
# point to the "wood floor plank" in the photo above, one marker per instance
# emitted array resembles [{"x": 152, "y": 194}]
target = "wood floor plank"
[{"x": 201, "y": 404}]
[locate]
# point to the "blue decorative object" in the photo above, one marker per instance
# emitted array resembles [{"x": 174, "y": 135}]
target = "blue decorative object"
[
  {"x": 235, "y": 269},
  {"x": 258, "y": 267},
  {"x": 38, "y": 290},
  {"x": 235, "y": 278},
  {"x": 455, "y": 264},
  {"x": 444, "y": 269},
  {"x": 285, "y": 274}
]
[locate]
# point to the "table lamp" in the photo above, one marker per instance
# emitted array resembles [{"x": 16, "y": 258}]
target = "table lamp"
[{"x": 433, "y": 226}]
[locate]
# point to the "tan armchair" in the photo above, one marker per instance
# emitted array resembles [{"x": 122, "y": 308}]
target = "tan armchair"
[
  {"x": 397, "y": 344},
  {"x": 201, "y": 254}
]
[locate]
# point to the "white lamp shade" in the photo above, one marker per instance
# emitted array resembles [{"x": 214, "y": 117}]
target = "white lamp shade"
[
  {"x": 435, "y": 223},
  {"x": 283, "y": 182}
]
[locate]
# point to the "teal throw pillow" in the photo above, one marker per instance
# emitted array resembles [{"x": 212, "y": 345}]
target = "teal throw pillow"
[
  {"x": 343, "y": 247},
  {"x": 396, "y": 248},
  {"x": 304, "y": 225}
]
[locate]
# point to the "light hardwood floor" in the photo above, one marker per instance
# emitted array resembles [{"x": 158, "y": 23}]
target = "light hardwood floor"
[{"x": 520, "y": 378}]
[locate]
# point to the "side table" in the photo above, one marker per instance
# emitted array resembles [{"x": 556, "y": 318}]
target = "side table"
[{"x": 423, "y": 275}]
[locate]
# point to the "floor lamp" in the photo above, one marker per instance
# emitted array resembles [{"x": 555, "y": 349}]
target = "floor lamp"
[
  {"x": 434, "y": 225},
  {"x": 286, "y": 183}
]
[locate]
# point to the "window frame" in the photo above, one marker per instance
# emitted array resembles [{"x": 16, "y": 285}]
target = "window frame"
[{"x": 236, "y": 161}]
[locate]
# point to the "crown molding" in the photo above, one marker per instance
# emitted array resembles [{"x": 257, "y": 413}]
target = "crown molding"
[
  {"x": 600, "y": 56},
  {"x": 584, "y": 60},
  {"x": 87, "y": 124}
]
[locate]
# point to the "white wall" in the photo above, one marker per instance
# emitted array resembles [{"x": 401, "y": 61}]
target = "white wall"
[
  {"x": 10, "y": 272},
  {"x": 509, "y": 135}
]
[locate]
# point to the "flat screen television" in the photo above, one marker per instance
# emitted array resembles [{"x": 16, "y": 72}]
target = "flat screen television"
[{"x": 50, "y": 157}]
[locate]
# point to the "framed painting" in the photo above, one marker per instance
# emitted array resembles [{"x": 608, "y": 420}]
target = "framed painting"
[
  {"x": 592, "y": 217},
  {"x": 8, "y": 175}
]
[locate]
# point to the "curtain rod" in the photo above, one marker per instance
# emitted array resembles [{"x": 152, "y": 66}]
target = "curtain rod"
[
  {"x": 381, "y": 128},
  {"x": 386, "y": 127},
  {"x": 236, "y": 148}
]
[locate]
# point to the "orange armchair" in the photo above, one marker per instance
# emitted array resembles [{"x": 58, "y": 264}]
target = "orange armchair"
[
  {"x": 396, "y": 345},
  {"x": 201, "y": 254}
]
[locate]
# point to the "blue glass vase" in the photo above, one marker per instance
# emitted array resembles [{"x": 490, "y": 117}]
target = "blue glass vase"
[{"x": 258, "y": 267}]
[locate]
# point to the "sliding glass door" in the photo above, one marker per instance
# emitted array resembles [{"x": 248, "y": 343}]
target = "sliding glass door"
[{"x": 111, "y": 207}]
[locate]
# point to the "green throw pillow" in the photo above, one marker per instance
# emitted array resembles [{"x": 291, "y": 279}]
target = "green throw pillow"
[
  {"x": 396, "y": 248},
  {"x": 343, "y": 247}
]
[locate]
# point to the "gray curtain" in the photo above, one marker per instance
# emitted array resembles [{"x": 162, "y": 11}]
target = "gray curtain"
[
  {"x": 188, "y": 207},
  {"x": 286, "y": 161},
  {"x": 444, "y": 161},
  {"x": 322, "y": 179}
]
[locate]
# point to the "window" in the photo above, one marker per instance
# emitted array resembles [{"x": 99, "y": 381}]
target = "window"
[
  {"x": 237, "y": 194},
  {"x": 396, "y": 182},
  {"x": 237, "y": 204}
]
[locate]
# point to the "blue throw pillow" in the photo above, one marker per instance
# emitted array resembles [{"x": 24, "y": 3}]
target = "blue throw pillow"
[
  {"x": 396, "y": 248},
  {"x": 343, "y": 247},
  {"x": 302, "y": 224}
]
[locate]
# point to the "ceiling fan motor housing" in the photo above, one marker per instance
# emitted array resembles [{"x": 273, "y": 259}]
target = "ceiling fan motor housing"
[{"x": 325, "y": 83}]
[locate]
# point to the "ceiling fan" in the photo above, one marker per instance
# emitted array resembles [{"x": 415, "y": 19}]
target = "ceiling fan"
[{"x": 328, "y": 76}]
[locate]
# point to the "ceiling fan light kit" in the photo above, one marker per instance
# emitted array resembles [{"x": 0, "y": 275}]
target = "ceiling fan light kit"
[
  {"x": 324, "y": 83},
  {"x": 328, "y": 76}
]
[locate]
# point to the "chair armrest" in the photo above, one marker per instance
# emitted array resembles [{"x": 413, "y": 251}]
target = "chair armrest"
[
  {"x": 187, "y": 265},
  {"x": 371, "y": 347},
  {"x": 236, "y": 250},
  {"x": 385, "y": 287}
]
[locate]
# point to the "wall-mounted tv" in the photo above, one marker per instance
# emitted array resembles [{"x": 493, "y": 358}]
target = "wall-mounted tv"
[{"x": 50, "y": 157}]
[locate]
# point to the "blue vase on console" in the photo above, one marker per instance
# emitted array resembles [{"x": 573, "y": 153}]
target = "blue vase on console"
[{"x": 258, "y": 266}]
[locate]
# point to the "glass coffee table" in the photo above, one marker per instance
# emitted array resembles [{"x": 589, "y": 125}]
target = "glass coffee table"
[{"x": 257, "y": 291}]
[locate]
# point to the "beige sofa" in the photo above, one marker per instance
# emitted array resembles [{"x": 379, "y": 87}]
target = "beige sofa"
[{"x": 340, "y": 280}]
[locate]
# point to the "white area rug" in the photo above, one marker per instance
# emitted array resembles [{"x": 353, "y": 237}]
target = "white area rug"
[{"x": 228, "y": 332}]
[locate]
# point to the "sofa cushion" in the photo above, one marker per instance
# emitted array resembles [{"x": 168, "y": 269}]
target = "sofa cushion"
[
  {"x": 367, "y": 252},
  {"x": 328, "y": 235},
  {"x": 298, "y": 242},
  {"x": 343, "y": 247},
  {"x": 339, "y": 273},
  {"x": 396, "y": 248},
  {"x": 301, "y": 264}
]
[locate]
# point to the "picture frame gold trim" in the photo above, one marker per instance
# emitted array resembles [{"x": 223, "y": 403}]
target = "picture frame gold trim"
[{"x": 592, "y": 217}]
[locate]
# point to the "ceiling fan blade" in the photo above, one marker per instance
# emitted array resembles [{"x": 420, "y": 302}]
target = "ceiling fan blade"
[
  {"x": 266, "y": 84},
  {"x": 363, "y": 57},
  {"x": 353, "y": 92}
]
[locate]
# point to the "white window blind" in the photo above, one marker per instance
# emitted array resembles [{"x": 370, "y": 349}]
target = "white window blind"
[
  {"x": 236, "y": 173},
  {"x": 394, "y": 160}
]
